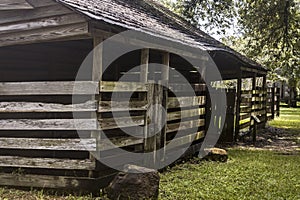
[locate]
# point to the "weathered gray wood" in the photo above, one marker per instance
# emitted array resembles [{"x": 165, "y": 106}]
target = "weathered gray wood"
[
  {"x": 41, "y": 23},
  {"x": 185, "y": 140},
  {"x": 48, "y": 88},
  {"x": 237, "y": 108},
  {"x": 40, "y": 11},
  {"x": 48, "y": 124},
  {"x": 185, "y": 114},
  {"x": 107, "y": 86},
  {"x": 177, "y": 87},
  {"x": 175, "y": 102},
  {"x": 144, "y": 65},
  {"x": 105, "y": 144},
  {"x": 49, "y": 144},
  {"x": 45, "y": 181},
  {"x": 79, "y": 30},
  {"x": 32, "y": 107},
  {"x": 113, "y": 123},
  {"x": 110, "y": 106},
  {"x": 185, "y": 125},
  {"x": 47, "y": 163},
  {"x": 14, "y": 5}
]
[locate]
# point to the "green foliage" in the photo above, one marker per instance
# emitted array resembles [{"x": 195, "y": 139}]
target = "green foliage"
[
  {"x": 213, "y": 16},
  {"x": 271, "y": 31}
]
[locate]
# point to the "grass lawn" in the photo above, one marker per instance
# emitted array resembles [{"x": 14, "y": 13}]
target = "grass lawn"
[{"x": 248, "y": 174}]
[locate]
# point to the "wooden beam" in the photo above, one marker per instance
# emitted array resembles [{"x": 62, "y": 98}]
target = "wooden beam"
[
  {"x": 48, "y": 88},
  {"x": 237, "y": 108},
  {"x": 48, "y": 124},
  {"x": 110, "y": 86},
  {"x": 78, "y": 31},
  {"x": 46, "y": 163},
  {"x": 144, "y": 65},
  {"x": 14, "y": 5},
  {"x": 48, "y": 144},
  {"x": 40, "y": 107}
]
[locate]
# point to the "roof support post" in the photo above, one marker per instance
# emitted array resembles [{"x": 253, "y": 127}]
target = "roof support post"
[
  {"x": 96, "y": 76},
  {"x": 252, "y": 120},
  {"x": 238, "y": 106}
]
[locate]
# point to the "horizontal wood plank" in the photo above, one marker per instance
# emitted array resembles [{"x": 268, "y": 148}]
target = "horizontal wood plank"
[
  {"x": 46, "y": 163},
  {"x": 185, "y": 125},
  {"x": 45, "y": 181},
  {"x": 14, "y": 5},
  {"x": 48, "y": 124},
  {"x": 40, "y": 11},
  {"x": 32, "y": 107},
  {"x": 112, "y": 143},
  {"x": 110, "y": 106},
  {"x": 185, "y": 114},
  {"x": 41, "y": 23},
  {"x": 79, "y": 30},
  {"x": 110, "y": 86},
  {"x": 177, "y": 142},
  {"x": 177, "y": 102},
  {"x": 49, "y": 144},
  {"x": 177, "y": 87},
  {"x": 49, "y": 88},
  {"x": 121, "y": 122}
]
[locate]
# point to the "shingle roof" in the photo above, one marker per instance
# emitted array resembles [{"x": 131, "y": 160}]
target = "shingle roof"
[{"x": 150, "y": 17}]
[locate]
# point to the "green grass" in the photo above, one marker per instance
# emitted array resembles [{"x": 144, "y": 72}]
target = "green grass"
[
  {"x": 246, "y": 175},
  {"x": 289, "y": 119}
]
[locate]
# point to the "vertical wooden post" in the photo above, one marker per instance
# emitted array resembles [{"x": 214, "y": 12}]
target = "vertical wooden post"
[
  {"x": 277, "y": 101},
  {"x": 253, "y": 121},
  {"x": 238, "y": 107},
  {"x": 144, "y": 79},
  {"x": 165, "y": 81},
  {"x": 273, "y": 105},
  {"x": 265, "y": 99},
  {"x": 96, "y": 76},
  {"x": 144, "y": 65}
]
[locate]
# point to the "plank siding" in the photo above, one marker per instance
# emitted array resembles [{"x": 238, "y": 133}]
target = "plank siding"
[{"x": 47, "y": 21}]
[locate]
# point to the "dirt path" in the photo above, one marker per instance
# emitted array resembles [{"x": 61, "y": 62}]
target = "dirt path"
[{"x": 276, "y": 139}]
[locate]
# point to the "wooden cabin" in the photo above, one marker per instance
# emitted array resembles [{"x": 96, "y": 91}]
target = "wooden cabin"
[{"x": 42, "y": 46}]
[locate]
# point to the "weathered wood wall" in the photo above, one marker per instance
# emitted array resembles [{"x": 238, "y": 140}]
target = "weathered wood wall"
[{"x": 48, "y": 21}]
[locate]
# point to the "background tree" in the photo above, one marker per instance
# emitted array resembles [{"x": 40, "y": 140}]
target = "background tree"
[
  {"x": 269, "y": 30},
  {"x": 214, "y": 16}
]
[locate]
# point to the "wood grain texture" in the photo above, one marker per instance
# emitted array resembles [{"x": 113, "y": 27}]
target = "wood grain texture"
[
  {"x": 46, "y": 163},
  {"x": 185, "y": 114},
  {"x": 48, "y": 124},
  {"x": 114, "y": 106},
  {"x": 14, "y": 5},
  {"x": 32, "y": 107},
  {"x": 45, "y": 181},
  {"x": 79, "y": 30},
  {"x": 107, "y": 86},
  {"x": 121, "y": 122},
  {"x": 49, "y": 144},
  {"x": 10, "y": 17},
  {"x": 41, "y": 23},
  {"x": 185, "y": 125},
  {"x": 176, "y": 102},
  {"x": 48, "y": 88}
]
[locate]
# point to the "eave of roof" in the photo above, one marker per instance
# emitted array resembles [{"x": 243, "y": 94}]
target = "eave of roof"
[{"x": 152, "y": 18}]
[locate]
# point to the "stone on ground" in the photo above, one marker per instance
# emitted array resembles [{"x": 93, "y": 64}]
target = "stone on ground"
[
  {"x": 134, "y": 183},
  {"x": 216, "y": 154}
]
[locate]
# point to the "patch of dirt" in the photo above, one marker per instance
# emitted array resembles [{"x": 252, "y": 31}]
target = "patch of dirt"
[{"x": 275, "y": 139}]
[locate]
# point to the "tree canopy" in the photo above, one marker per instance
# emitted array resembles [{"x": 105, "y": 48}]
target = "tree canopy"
[{"x": 269, "y": 30}]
